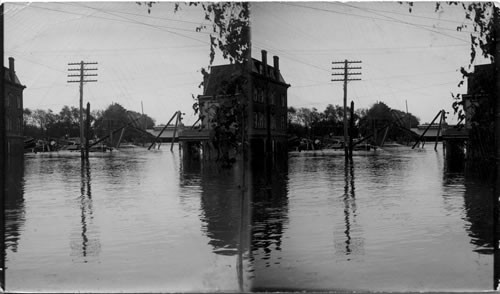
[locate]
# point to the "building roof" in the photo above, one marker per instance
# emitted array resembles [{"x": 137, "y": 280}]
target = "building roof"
[
  {"x": 223, "y": 79},
  {"x": 8, "y": 77},
  {"x": 258, "y": 68},
  {"x": 482, "y": 80}
]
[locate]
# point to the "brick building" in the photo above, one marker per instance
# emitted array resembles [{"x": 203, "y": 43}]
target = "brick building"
[
  {"x": 269, "y": 107},
  {"x": 478, "y": 102},
  {"x": 479, "y": 106},
  {"x": 13, "y": 110},
  {"x": 261, "y": 88}
]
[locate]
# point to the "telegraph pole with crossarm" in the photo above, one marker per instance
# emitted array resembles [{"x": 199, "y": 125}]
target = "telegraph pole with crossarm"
[
  {"x": 347, "y": 77},
  {"x": 82, "y": 75}
]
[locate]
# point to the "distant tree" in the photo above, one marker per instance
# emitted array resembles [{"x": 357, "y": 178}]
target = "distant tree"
[
  {"x": 379, "y": 116},
  {"x": 292, "y": 115},
  {"x": 309, "y": 122},
  {"x": 31, "y": 128},
  {"x": 115, "y": 117},
  {"x": 404, "y": 119},
  {"x": 331, "y": 113},
  {"x": 68, "y": 122}
]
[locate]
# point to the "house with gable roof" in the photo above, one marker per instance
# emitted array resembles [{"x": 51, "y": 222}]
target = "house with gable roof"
[
  {"x": 262, "y": 90},
  {"x": 13, "y": 105}
]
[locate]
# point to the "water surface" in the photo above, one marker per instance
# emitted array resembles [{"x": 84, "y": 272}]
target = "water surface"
[
  {"x": 135, "y": 221},
  {"x": 394, "y": 220}
]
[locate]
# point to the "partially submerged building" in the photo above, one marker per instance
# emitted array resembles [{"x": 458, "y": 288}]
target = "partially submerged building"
[
  {"x": 476, "y": 136},
  {"x": 13, "y": 110},
  {"x": 479, "y": 108},
  {"x": 250, "y": 96}
]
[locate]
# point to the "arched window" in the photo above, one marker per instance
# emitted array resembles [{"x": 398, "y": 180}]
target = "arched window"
[{"x": 7, "y": 99}]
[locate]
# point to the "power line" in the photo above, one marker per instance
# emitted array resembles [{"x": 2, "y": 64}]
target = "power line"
[
  {"x": 127, "y": 20},
  {"x": 113, "y": 50},
  {"x": 140, "y": 15},
  {"x": 403, "y": 14},
  {"x": 409, "y": 23},
  {"x": 390, "y": 19},
  {"x": 146, "y": 24},
  {"x": 368, "y": 49},
  {"x": 286, "y": 55}
]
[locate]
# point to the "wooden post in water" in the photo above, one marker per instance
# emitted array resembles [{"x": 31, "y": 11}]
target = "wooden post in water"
[
  {"x": 120, "y": 139},
  {"x": 154, "y": 141},
  {"x": 87, "y": 135},
  {"x": 110, "y": 133},
  {"x": 439, "y": 129},
  {"x": 385, "y": 136},
  {"x": 425, "y": 131},
  {"x": 175, "y": 130},
  {"x": 351, "y": 129}
]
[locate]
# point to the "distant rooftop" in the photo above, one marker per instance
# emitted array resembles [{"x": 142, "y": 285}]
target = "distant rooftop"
[
  {"x": 222, "y": 78},
  {"x": 10, "y": 74}
]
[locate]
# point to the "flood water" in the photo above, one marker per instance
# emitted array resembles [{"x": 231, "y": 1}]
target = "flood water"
[
  {"x": 152, "y": 221},
  {"x": 134, "y": 221},
  {"x": 394, "y": 220}
]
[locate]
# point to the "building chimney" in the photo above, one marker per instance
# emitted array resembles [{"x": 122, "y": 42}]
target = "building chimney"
[
  {"x": 276, "y": 61},
  {"x": 12, "y": 70},
  {"x": 264, "y": 62}
]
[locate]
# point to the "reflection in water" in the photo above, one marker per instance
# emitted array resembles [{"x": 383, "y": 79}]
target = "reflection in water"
[
  {"x": 224, "y": 207},
  {"x": 220, "y": 208},
  {"x": 14, "y": 203},
  {"x": 477, "y": 205},
  {"x": 87, "y": 243},
  {"x": 353, "y": 244},
  {"x": 269, "y": 208},
  {"x": 126, "y": 221},
  {"x": 397, "y": 225}
]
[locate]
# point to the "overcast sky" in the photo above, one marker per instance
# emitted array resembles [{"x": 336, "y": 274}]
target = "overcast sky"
[{"x": 156, "y": 58}]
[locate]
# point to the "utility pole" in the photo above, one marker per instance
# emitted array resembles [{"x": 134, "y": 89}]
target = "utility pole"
[
  {"x": 347, "y": 77},
  {"x": 82, "y": 75},
  {"x": 496, "y": 189},
  {"x": 87, "y": 136}
]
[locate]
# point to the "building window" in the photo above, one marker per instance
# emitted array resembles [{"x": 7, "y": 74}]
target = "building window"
[
  {"x": 283, "y": 100},
  {"x": 261, "y": 95},
  {"x": 271, "y": 98},
  {"x": 18, "y": 98},
  {"x": 256, "y": 94},
  {"x": 7, "y": 123},
  {"x": 259, "y": 120},
  {"x": 20, "y": 124},
  {"x": 7, "y": 99}
]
